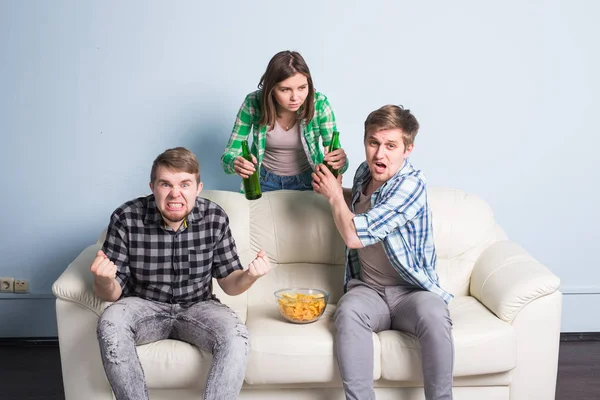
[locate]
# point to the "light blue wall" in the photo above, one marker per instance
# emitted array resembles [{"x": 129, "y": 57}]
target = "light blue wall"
[{"x": 91, "y": 92}]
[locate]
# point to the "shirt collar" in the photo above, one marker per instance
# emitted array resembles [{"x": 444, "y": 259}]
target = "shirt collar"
[{"x": 365, "y": 174}]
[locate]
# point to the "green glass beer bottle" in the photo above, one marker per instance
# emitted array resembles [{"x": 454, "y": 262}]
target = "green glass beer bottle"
[
  {"x": 252, "y": 183},
  {"x": 334, "y": 145}
]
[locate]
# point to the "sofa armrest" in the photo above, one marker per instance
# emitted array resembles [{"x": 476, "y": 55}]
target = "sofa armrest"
[
  {"x": 76, "y": 283},
  {"x": 506, "y": 278}
]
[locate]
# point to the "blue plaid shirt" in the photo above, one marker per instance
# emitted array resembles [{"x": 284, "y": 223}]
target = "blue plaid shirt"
[{"x": 399, "y": 217}]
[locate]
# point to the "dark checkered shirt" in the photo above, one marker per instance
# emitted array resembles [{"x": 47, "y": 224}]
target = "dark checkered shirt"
[{"x": 154, "y": 262}]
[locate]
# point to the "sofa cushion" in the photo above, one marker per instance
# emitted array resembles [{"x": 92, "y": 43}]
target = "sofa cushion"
[
  {"x": 170, "y": 364},
  {"x": 483, "y": 344},
  {"x": 286, "y": 353}
]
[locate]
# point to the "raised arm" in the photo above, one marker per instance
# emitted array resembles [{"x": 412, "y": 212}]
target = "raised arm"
[
  {"x": 239, "y": 281},
  {"x": 403, "y": 203},
  {"x": 106, "y": 286},
  {"x": 111, "y": 265},
  {"x": 226, "y": 265},
  {"x": 329, "y": 187}
]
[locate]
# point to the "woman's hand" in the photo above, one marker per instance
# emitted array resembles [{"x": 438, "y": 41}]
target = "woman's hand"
[
  {"x": 336, "y": 159},
  {"x": 243, "y": 167}
]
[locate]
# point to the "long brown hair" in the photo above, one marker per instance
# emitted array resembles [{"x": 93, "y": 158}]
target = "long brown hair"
[{"x": 283, "y": 65}]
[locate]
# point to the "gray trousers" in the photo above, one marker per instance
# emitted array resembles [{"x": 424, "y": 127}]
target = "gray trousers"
[
  {"x": 209, "y": 325},
  {"x": 362, "y": 310}
]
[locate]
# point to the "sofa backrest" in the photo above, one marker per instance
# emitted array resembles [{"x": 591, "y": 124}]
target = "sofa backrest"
[
  {"x": 463, "y": 226},
  {"x": 297, "y": 231}
]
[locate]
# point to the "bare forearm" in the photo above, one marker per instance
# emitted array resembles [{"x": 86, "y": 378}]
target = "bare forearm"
[
  {"x": 108, "y": 291},
  {"x": 343, "y": 220},
  {"x": 236, "y": 283}
]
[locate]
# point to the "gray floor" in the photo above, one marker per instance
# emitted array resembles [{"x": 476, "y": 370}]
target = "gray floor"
[
  {"x": 32, "y": 371},
  {"x": 579, "y": 371}
]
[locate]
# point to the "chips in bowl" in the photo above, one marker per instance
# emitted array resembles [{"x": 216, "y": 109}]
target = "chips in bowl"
[{"x": 301, "y": 306}]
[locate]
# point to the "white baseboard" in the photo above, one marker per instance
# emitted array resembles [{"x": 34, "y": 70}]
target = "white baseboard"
[{"x": 580, "y": 290}]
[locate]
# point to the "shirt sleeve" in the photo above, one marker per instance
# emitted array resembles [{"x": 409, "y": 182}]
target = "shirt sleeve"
[
  {"x": 327, "y": 125},
  {"x": 400, "y": 204},
  {"x": 225, "y": 256},
  {"x": 116, "y": 249},
  {"x": 241, "y": 129}
]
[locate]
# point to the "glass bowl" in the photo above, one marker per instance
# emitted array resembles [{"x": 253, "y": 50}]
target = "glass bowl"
[{"x": 301, "y": 305}]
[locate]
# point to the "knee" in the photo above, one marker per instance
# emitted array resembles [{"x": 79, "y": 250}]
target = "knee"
[
  {"x": 112, "y": 321},
  {"x": 236, "y": 338},
  {"x": 109, "y": 339},
  {"x": 113, "y": 332},
  {"x": 106, "y": 325},
  {"x": 435, "y": 317},
  {"x": 346, "y": 316}
]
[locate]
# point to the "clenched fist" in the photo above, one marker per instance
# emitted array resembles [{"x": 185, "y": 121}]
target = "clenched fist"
[
  {"x": 259, "y": 266},
  {"x": 103, "y": 269}
]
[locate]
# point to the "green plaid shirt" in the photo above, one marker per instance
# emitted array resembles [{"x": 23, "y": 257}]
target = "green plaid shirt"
[{"x": 322, "y": 125}]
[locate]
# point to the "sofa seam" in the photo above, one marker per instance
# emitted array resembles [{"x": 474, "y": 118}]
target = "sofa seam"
[
  {"x": 274, "y": 229},
  {"x": 514, "y": 314},
  {"x": 83, "y": 305},
  {"x": 529, "y": 302},
  {"x": 501, "y": 266}
]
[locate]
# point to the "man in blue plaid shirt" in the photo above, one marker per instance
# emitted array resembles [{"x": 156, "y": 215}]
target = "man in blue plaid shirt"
[
  {"x": 157, "y": 264},
  {"x": 391, "y": 282}
]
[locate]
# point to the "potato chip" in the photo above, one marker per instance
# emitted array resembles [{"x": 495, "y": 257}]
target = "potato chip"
[{"x": 299, "y": 307}]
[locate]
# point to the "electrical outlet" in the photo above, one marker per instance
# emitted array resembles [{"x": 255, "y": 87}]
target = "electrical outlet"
[
  {"x": 21, "y": 286},
  {"x": 7, "y": 285}
]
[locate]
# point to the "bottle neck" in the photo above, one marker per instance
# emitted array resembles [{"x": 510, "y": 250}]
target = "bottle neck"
[
  {"x": 335, "y": 142},
  {"x": 245, "y": 149}
]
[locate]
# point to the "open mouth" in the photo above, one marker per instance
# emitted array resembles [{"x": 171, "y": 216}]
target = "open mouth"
[
  {"x": 175, "y": 206},
  {"x": 380, "y": 167}
]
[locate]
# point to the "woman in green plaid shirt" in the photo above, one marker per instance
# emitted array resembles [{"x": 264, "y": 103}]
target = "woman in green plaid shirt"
[{"x": 286, "y": 117}]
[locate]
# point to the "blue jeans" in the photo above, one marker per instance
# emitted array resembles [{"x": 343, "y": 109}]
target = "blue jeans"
[
  {"x": 209, "y": 325},
  {"x": 270, "y": 181}
]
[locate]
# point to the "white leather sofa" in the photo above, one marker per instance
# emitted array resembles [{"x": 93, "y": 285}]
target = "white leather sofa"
[{"x": 506, "y": 311}]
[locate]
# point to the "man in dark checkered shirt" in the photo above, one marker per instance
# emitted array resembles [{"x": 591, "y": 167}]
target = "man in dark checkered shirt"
[{"x": 157, "y": 263}]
